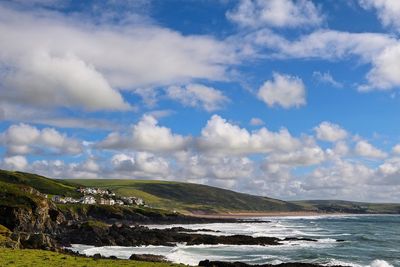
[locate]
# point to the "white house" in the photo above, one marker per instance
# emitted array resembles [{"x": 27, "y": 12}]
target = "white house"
[{"x": 88, "y": 200}]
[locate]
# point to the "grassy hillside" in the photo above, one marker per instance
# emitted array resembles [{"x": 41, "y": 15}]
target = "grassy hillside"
[
  {"x": 38, "y": 258},
  {"x": 349, "y": 206},
  {"x": 182, "y": 197},
  {"x": 40, "y": 183},
  {"x": 190, "y": 197}
]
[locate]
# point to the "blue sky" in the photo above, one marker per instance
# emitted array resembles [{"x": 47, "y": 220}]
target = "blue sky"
[{"x": 295, "y": 99}]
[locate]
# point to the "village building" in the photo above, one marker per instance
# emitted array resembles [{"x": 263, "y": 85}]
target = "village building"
[
  {"x": 108, "y": 201},
  {"x": 88, "y": 200}
]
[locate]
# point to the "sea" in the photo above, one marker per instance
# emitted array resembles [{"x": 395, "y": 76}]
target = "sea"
[{"x": 369, "y": 241}]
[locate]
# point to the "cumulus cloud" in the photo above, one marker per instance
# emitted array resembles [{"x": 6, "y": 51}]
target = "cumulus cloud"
[
  {"x": 275, "y": 13},
  {"x": 141, "y": 164},
  {"x": 388, "y": 11},
  {"x": 331, "y": 132},
  {"x": 198, "y": 95},
  {"x": 26, "y": 139},
  {"x": 146, "y": 135},
  {"x": 72, "y": 61},
  {"x": 379, "y": 50},
  {"x": 303, "y": 157},
  {"x": 223, "y": 137},
  {"x": 64, "y": 81},
  {"x": 365, "y": 149},
  {"x": 396, "y": 149},
  {"x": 283, "y": 90},
  {"x": 385, "y": 73},
  {"x": 15, "y": 163}
]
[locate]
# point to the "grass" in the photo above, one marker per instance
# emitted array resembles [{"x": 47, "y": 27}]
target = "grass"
[
  {"x": 40, "y": 183},
  {"x": 41, "y": 258},
  {"x": 4, "y": 234},
  {"x": 187, "y": 197},
  {"x": 350, "y": 206},
  {"x": 13, "y": 195}
]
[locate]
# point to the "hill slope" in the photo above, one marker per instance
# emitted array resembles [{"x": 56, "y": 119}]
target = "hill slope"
[
  {"x": 190, "y": 197},
  {"x": 183, "y": 197},
  {"x": 43, "y": 184}
]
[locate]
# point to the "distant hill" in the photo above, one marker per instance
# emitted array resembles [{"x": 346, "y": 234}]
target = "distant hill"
[
  {"x": 342, "y": 206},
  {"x": 188, "y": 197}
]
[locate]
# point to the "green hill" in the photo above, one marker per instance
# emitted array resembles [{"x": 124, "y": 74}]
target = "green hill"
[
  {"x": 182, "y": 197},
  {"x": 43, "y": 184},
  {"x": 190, "y": 197},
  {"x": 342, "y": 206}
]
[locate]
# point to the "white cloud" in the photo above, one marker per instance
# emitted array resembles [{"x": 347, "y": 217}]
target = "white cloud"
[
  {"x": 275, "y": 13},
  {"x": 26, "y": 139},
  {"x": 303, "y": 157},
  {"x": 388, "y": 11},
  {"x": 365, "y": 149},
  {"x": 146, "y": 135},
  {"x": 331, "y": 132},
  {"x": 220, "y": 136},
  {"x": 396, "y": 149},
  {"x": 141, "y": 164},
  {"x": 64, "y": 81},
  {"x": 15, "y": 163},
  {"x": 326, "y": 78},
  {"x": 324, "y": 44},
  {"x": 283, "y": 90},
  {"x": 385, "y": 72},
  {"x": 381, "y": 51},
  {"x": 256, "y": 122},
  {"x": 197, "y": 95},
  {"x": 70, "y": 61}
]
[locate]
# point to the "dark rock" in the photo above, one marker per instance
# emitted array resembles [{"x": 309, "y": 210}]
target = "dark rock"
[
  {"x": 148, "y": 257},
  {"x": 124, "y": 235},
  {"x": 96, "y": 256},
  {"x": 34, "y": 241}
]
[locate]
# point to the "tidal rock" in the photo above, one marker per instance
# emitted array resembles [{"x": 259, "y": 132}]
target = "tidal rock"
[{"x": 148, "y": 257}]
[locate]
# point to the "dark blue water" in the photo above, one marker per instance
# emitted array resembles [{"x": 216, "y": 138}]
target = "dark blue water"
[{"x": 368, "y": 241}]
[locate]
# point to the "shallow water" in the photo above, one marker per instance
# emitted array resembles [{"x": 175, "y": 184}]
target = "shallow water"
[{"x": 369, "y": 241}]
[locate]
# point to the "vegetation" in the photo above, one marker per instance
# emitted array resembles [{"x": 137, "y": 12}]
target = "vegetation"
[
  {"x": 164, "y": 197},
  {"x": 13, "y": 195},
  {"x": 40, "y": 183},
  {"x": 39, "y": 258},
  {"x": 187, "y": 197},
  {"x": 349, "y": 206}
]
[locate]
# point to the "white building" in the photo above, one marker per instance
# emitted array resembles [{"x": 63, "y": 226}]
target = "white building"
[{"x": 88, "y": 200}]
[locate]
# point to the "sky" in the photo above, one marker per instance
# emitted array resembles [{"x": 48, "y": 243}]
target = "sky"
[{"x": 292, "y": 99}]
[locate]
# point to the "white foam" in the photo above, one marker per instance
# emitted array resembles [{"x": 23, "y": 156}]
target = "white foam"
[{"x": 380, "y": 263}]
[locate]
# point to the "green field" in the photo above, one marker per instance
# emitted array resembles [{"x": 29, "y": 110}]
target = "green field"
[
  {"x": 187, "y": 197},
  {"x": 175, "y": 196},
  {"x": 42, "y": 258}
]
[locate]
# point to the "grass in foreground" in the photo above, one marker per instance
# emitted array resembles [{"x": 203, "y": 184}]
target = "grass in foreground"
[{"x": 39, "y": 258}]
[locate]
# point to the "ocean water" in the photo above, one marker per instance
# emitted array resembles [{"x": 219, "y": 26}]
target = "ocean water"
[{"x": 372, "y": 241}]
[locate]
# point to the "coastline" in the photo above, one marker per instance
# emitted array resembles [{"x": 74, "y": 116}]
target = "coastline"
[{"x": 241, "y": 215}]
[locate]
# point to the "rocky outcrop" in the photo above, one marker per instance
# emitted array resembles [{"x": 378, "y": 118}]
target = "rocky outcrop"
[
  {"x": 34, "y": 241},
  {"x": 148, "y": 257},
  {"x": 124, "y": 235},
  {"x": 41, "y": 216}
]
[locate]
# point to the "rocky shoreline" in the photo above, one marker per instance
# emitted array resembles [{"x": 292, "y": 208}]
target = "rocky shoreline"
[{"x": 44, "y": 225}]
